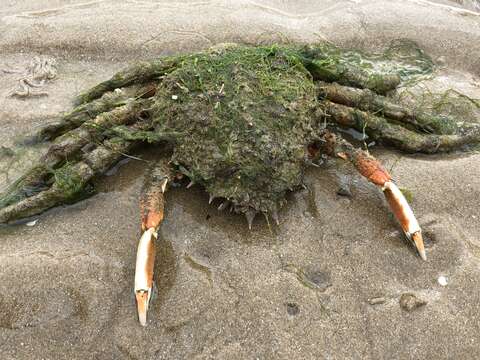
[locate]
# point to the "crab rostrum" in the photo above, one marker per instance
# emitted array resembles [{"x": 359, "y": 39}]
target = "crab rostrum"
[{"x": 243, "y": 122}]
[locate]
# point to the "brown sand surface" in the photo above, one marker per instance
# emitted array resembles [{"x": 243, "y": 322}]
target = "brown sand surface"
[{"x": 301, "y": 291}]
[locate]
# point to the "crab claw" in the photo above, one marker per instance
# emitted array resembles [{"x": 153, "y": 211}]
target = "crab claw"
[
  {"x": 144, "y": 273},
  {"x": 371, "y": 168},
  {"x": 404, "y": 215},
  {"x": 151, "y": 210}
]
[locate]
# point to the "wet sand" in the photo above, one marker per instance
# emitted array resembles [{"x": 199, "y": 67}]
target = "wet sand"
[{"x": 304, "y": 289}]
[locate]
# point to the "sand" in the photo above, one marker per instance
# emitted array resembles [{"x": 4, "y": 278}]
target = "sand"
[{"x": 303, "y": 290}]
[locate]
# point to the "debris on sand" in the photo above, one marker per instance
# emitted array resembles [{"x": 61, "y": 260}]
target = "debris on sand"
[
  {"x": 35, "y": 76},
  {"x": 377, "y": 300},
  {"x": 32, "y": 223},
  {"x": 410, "y": 302}
]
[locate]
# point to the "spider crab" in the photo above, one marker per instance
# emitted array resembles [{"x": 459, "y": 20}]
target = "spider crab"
[{"x": 242, "y": 121}]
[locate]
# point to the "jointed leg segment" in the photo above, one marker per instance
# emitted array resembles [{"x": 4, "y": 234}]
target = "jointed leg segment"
[
  {"x": 378, "y": 128},
  {"x": 66, "y": 182},
  {"x": 67, "y": 149},
  {"x": 139, "y": 73},
  {"x": 89, "y": 111},
  {"x": 367, "y": 100}
]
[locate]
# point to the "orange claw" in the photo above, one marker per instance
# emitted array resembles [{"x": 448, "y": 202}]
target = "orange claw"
[
  {"x": 371, "y": 168},
  {"x": 151, "y": 207},
  {"x": 405, "y": 216}
]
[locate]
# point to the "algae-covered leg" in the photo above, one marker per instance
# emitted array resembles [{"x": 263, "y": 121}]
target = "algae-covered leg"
[
  {"x": 373, "y": 171},
  {"x": 151, "y": 209},
  {"x": 378, "y": 128},
  {"x": 327, "y": 69},
  {"x": 71, "y": 142},
  {"x": 68, "y": 147},
  {"x": 68, "y": 181},
  {"x": 138, "y": 73},
  {"x": 90, "y": 110},
  {"x": 367, "y": 100}
]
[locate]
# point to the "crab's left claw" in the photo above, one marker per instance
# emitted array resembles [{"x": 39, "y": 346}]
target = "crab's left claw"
[
  {"x": 144, "y": 273},
  {"x": 152, "y": 206}
]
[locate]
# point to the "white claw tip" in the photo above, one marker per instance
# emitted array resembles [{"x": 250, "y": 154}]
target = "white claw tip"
[
  {"x": 143, "y": 297},
  {"x": 418, "y": 241},
  {"x": 423, "y": 254},
  {"x": 143, "y": 319}
]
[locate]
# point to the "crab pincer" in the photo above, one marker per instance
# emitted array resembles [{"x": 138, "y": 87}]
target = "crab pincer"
[
  {"x": 144, "y": 273},
  {"x": 371, "y": 169},
  {"x": 152, "y": 207}
]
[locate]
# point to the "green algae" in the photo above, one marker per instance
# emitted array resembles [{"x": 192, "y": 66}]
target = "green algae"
[
  {"x": 243, "y": 118},
  {"x": 402, "y": 63},
  {"x": 68, "y": 180},
  {"x": 450, "y": 112}
]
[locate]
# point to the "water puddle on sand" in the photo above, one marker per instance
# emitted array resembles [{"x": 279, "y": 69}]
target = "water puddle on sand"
[{"x": 312, "y": 279}]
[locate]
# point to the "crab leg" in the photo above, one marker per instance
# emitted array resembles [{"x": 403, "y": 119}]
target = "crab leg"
[
  {"x": 67, "y": 182},
  {"x": 88, "y": 111},
  {"x": 139, "y": 73},
  {"x": 69, "y": 145},
  {"x": 323, "y": 68},
  {"x": 402, "y": 138},
  {"x": 367, "y": 100},
  {"x": 373, "y": 171},
  {"x": 151, "y": 206}
]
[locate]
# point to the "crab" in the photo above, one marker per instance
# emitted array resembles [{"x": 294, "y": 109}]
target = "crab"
[{"x": 243, "y": 122}]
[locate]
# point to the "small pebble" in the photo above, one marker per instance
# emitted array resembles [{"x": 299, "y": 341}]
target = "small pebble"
[
  {"x": 410, "y": 302},
  {"x": 377, "y": 301},
  {"x": 292, "y": 309},
  {"x": 442, "y": 280},
  {"x": 429, "y": 238},
  {"x": 441, "y": 61},
  {"x": 317, "y": 280}
]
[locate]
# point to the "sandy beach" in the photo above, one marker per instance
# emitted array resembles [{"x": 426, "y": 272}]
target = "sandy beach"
[{"x": 325, "y": 284}]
